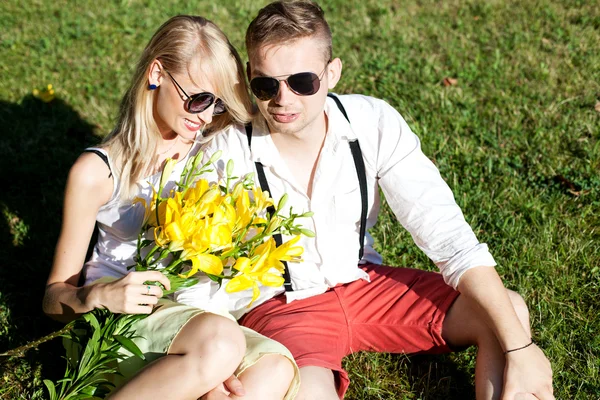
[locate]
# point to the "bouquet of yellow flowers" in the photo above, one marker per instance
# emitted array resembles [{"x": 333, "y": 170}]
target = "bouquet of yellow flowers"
[{"x": 224, "y": 229}]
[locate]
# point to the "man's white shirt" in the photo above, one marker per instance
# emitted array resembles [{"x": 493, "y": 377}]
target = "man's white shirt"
[{"x": 421, "y": 200}]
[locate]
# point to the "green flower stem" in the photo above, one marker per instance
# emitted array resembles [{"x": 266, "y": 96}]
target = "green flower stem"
[
  {"x": 20, "y": 351},
  {"x": 172, "y": 265},
  {"x": 151, "y": 253},
  {"x": 163, "y": 254}
]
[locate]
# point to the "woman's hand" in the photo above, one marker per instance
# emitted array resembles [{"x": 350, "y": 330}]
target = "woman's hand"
[{"x": 130, "y": 294}]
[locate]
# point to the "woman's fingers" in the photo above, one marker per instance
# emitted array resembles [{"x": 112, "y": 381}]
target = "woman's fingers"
[
  {"x": 152, "y": 290},
  {"x": 151, "y": 276}
]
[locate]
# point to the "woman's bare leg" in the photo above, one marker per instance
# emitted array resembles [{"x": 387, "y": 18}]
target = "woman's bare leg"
[{"x": 205, "y": 353}]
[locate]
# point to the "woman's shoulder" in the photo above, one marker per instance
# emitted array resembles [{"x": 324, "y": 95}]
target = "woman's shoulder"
[{"x": 91, "y": 173}]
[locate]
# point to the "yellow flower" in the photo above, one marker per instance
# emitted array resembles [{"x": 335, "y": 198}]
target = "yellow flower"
[
  {"x": 251, "y": 273},
  {"x": 262, "y": 200},
  {"x": 285, "y": 252},
  {"x": 207, "y": 263},
  {"x": 193, "y": 194},
  {"x": 172, "y": 228},
  {"x": 46, "y": 95}
]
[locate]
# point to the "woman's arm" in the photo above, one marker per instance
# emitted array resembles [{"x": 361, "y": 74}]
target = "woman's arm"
[{"x": 88, "y": 188}]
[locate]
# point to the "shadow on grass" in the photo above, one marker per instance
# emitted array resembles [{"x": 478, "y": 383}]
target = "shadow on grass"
[
  {"x": 398, "y": 376},
  {"x": 40, "y": 142},
  {"x": 440, "y": 377}
]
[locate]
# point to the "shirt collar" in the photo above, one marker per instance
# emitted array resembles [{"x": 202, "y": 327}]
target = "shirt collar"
[{"x": 264, "y": 151}]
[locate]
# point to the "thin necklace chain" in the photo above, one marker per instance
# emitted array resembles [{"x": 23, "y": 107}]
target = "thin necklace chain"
[{"x": 170, "y": 148}]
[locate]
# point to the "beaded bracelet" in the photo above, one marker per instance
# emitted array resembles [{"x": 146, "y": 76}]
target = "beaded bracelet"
[{"x": 519, "y": 348}]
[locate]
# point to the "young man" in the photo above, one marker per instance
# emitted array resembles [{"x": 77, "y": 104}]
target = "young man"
[{"x": 338, "y": 305}]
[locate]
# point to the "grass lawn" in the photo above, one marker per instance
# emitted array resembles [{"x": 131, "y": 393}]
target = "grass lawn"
[{"x": 515, "y": 131}]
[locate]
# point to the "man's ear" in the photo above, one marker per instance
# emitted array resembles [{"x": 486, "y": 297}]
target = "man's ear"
[
  {"x": 248, "y": 71},
  {"x": 334, "y": 72},
  {"x": 155, "y": 74}
]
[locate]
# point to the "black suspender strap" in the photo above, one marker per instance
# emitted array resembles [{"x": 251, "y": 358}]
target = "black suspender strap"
[
  {"x": 362, "y": 180},
  {"x": 339, "y": 104},
  {"x": 262, "y": 179},
  {"x": 102, "y": 156}
]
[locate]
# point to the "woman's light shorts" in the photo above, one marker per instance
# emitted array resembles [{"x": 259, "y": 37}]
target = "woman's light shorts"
[{"x": 157, "y": 331}]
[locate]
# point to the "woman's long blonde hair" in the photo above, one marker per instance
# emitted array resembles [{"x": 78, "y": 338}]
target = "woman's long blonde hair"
[{"x": 178, "y": 44}]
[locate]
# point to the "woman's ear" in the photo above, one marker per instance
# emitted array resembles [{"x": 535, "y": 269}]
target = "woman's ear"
[
  {"x": 334, "y": 72},
  {"x": 155, "y": 74}
]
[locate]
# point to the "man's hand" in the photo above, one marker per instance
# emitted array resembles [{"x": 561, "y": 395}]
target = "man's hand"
[
  {"x": 527, "y": 375},
  {"x": 231, "y": 386}
]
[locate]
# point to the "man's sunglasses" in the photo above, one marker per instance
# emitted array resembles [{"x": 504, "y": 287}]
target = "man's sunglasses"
[
  {"x": 199, "y": 102},
  {"x": 303, "y": 84}
]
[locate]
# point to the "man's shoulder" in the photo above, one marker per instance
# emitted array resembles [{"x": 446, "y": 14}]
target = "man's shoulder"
[
  {"x": 361, "y": 102},
  {"x": 233, "y": 136}
]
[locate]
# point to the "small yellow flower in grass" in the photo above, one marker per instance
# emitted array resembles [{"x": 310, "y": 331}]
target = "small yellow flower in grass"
[{"x": 46, "y": 95}]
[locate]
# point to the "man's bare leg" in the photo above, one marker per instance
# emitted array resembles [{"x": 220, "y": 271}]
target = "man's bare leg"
[
  {"x": 317, "y": 383},
  {"x": 464, "y": 326},
  {"x": 269, "y": 379}
]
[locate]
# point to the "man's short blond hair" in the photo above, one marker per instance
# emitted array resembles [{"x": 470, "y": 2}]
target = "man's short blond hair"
[{"x": 287, "y": 21}]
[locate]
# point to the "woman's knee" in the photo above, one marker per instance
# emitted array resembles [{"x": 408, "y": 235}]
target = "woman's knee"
[{"x": 210, "y": 338}]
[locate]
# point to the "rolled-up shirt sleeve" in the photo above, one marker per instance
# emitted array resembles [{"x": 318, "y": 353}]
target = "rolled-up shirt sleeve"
[{"x": 422, "y": 201}]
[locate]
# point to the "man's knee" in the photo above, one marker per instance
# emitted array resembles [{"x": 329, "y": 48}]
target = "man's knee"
[
  {"x": 280, "y": 370},
  {"x": 520, "y": 307}
]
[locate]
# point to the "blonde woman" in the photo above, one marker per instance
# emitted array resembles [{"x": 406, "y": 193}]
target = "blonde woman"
[{"x": 188, "y": 86}]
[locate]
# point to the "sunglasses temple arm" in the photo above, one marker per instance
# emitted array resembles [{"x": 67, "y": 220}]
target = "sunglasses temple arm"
[{"x": 175, "y": 82}]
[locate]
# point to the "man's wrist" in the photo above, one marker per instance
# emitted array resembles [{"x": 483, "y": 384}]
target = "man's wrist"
[{"x": 519, "y": 348}]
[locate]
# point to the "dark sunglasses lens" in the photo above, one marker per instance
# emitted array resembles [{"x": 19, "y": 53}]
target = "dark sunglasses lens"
[
  {"x": 304, "y": 83},
  {"x": 199, "y": 102},
  {"x": 219, "y": 107},
  {"x": 264, "y": 88}
]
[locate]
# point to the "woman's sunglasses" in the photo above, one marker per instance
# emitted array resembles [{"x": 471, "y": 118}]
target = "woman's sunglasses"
[
  {"x": 197, "y": 103},
  {"x": 303, "y": 84}
]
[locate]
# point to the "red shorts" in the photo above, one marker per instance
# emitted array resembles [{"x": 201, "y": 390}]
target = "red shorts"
[{"x": 400, "y": 311}]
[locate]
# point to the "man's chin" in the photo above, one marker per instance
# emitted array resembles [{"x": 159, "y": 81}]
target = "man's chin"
[{"x": 284, "y": 127}]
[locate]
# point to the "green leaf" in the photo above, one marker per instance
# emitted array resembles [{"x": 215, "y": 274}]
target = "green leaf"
[
  {"x": 51, "y": 389},
  {"x": 92, "y": 320},
  {"x": 146, "y": 243},
  {"x": 214, "y": 157},
  {"x": 307, "y": 232},
  {"x": 130, "y": 346},
  {"x": 178, "y": 282},
  {"x": 282, "y": 202},
  {"x": 73, "y": 350},
  {"x": 214, "y": 278}
]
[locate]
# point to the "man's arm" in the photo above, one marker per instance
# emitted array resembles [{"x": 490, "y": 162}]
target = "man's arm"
[
  {"x": 425, "y": 206},
  {"x": 527, "y": 370}
]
